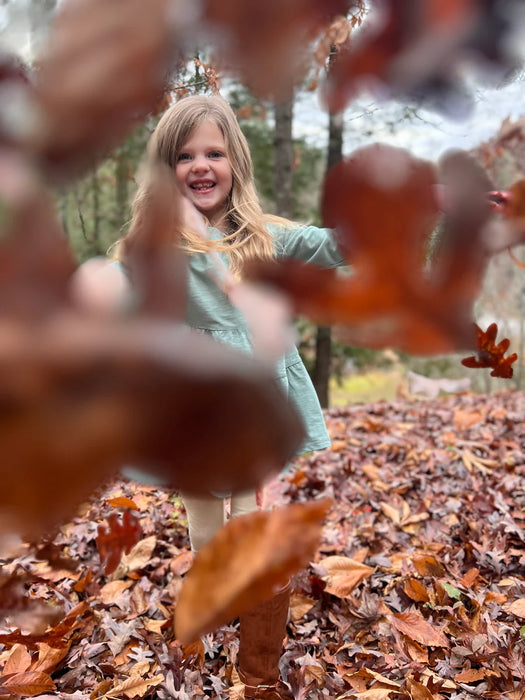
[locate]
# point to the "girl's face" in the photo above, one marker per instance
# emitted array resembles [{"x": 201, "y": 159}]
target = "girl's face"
[{"x": 204, "y": 172}]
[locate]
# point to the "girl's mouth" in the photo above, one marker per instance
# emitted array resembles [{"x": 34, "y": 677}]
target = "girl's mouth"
[{"x": 202, "y": 187}]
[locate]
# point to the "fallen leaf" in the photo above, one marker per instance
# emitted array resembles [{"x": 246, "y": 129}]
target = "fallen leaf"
[
  {"x": 18, "y": 661},
  {"x": 343, "y": 574},
  {"x": 470, "y": 675},
  {"x": 112, "y": 590},
  {"x": 29, "y": 683},
  {"x": 414, "y": 625},
  {"x": 416, "y": 590},
  {"x": 517, "y": 607},
  {"x": 300, "y": 605}
]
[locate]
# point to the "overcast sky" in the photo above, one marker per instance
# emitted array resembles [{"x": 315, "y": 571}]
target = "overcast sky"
[{"x": 427, "y": 134}]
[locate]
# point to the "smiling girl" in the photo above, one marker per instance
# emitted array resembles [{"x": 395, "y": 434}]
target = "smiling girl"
[{"x": 199, "y": 138}]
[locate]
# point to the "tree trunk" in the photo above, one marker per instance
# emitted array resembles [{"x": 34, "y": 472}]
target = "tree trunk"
[
  {"x": 121, "y": 189},
  {"x": 323, "y": 341},
  {"x": 283, "y": 159}
]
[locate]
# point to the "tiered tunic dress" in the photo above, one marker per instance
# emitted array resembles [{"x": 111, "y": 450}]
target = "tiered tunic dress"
[{"x": 209, "y": 310}]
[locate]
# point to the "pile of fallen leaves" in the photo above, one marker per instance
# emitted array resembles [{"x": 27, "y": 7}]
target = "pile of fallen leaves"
[{"x": 417, "y": 590}]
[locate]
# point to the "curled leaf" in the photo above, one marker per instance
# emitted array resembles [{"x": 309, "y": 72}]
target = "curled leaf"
[
  {"x": 244, "y": 563},
  {"x": 491, "y": 354}
]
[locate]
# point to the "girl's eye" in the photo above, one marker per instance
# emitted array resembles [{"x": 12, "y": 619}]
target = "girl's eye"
[
  {"x": 216, "y": 154},
  {"x": 183, "y": 156}
]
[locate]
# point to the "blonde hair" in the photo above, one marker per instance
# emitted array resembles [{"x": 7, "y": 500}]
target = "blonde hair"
[{"x": 248, "y": 237}]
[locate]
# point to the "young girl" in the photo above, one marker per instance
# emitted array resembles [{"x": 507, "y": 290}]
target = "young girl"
[{"x": 199, "y": 138}]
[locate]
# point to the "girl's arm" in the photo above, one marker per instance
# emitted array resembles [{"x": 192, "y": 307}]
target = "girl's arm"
[{"x": 310, "y": 244}]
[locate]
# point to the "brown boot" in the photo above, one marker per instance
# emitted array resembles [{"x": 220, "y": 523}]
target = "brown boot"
[{"x": 261, "y": 641}]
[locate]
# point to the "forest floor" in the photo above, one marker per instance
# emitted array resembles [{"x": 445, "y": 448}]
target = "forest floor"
[{"x": 417, "y": 589}]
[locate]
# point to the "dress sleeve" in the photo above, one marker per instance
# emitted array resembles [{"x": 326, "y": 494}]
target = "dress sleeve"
[{"x": 310, "y": 244}]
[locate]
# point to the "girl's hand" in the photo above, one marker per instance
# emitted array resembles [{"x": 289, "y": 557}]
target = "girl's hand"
[{"x": 100, "y": 288}]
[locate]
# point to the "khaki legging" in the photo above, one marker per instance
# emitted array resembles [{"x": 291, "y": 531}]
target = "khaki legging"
[{"x": 207, "y": 514}]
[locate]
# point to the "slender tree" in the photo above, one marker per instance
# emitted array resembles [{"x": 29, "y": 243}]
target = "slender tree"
[
  {"x": 283, "y": 158},
  {"x": 323, "y": 341}
]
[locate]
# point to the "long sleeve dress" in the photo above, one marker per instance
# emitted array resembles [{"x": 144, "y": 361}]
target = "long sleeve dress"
[{"x": 210, "y": 310}]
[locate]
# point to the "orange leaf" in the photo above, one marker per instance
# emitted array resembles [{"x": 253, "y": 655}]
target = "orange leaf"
[
  {"x": 117, "y": 538},
  {"x": 123, "y": 502},
  {"x": 18, "y": 661},
  {"x": 491, "y": 354},
  {"x": 382, "y": 204},
  {"x": 31, "y": 683},
  {"x": 469, "y": 578},
  {"x": 428, "y": 566},
  {"x": 49, "y": 657},
  {"x": 416, "y": 590},
  {"x": 343, "y": 575},
  {"x": 463, "y": 420},
  {"x": 244, "y": 563},
  {"x": 470, "y": 675},
  {"x": 418, "y": 691},
  {"x": 414, "y": 626}
]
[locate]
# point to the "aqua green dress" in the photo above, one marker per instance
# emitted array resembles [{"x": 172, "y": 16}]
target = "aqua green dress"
[{"x": 209, "y": 310}]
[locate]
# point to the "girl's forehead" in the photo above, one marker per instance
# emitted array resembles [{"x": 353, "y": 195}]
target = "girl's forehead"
[{"x": 205, "y": 130}]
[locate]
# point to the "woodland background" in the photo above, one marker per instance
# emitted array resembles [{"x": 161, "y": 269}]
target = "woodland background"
[
  {"x": 414, "y": 588},
  {"x": 95, "y": 211}
]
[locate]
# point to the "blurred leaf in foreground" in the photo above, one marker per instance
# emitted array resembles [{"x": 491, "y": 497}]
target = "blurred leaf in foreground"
[{"x": 245, "y": 563}]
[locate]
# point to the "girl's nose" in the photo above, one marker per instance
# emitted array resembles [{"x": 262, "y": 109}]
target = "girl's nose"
[{"x": 200, "y": 163}]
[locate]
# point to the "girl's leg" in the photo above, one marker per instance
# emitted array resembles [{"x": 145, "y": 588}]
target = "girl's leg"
[
  {"x": 263, "y": 630},
  {"x": 205, "y": 517},
  {"x": 243, "y": 503}
]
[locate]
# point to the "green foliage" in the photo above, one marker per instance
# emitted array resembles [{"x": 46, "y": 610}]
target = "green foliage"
[
  {"x": 309, "y": 161},
  {"x": 95, "y": 210}
]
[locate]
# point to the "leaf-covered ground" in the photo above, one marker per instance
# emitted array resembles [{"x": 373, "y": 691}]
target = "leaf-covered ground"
[{"x": 417, "y": 590}]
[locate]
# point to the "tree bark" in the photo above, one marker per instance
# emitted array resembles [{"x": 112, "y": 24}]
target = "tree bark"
[
  {"x": 323, "y": 341},
  {"x": 283, "y": 159}
]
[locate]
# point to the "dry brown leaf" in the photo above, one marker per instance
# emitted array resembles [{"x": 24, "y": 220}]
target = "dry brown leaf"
[
  {"x": 517, "y": 607},
  {"x": 29, "y": 683},
  {"x": 49, "y": 657},
  {"x": 470, "y": 675},
  {"x": 427, "y": 565},
  {"x": 112, "y": 590},
  {"x": 416, "y": 590},
  {"x": 414, "y": 625},
  {"x": 245, "y": 563},
  {"x": 135, "y": 686},
  {"x": 344, "y": 574},
  {"x": 377, "y": 693},
  {"x": 418, "y": 691},
  {"x": 300, "y": 605},
  {"x": 152, "y": 395},
  {"x": 18, "y": 661},
  {"x": 138, "y": 557},
  {"x": 103, "y": 71},
  {"x": 463, "y": 420}
]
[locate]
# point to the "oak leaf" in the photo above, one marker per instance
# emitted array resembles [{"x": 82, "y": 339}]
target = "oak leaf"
[
  {"x": 382, "y": 204},
  {"x": 116, "y": 539},
  {"x": 491, "y": 354}
]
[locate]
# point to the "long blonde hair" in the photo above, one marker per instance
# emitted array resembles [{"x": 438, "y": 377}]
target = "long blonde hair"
[{"x": 248, "y": 237}]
